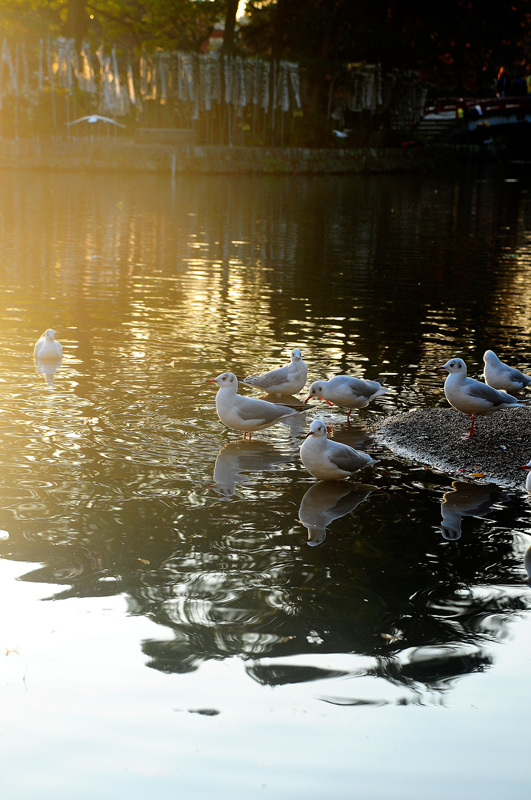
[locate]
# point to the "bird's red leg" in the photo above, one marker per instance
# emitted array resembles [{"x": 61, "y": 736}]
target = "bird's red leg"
[{"x": 472, "y": 429}]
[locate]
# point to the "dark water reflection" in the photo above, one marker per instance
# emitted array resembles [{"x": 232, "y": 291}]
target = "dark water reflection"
[{"x": 117, "y": 477}]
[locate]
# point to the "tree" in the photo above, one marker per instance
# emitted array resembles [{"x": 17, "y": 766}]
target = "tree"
[{"x": 456, "y": 45}]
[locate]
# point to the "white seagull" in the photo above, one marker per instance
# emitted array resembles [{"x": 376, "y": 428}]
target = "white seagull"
[
  {"x": 346, "y": 392},
  {"x": 328, "y": 460},
  {"x": 285, "y": 380},
  {"x": 92, "y": 118},
  {"x": 528, "y": 477},
  {"x": 246, "y": 414},
  {"x": 473, "y": 397},
  {"x": 502, "y": 376},
  {"x": 47, "y": 348}
]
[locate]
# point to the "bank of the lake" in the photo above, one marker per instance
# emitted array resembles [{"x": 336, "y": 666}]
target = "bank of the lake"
[
  {"x": 127, "y": 155},
  {"x": 438, "y": 439}
]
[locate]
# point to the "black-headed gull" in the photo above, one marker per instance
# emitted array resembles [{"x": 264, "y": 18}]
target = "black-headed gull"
[
  {"x": 246, "y": 414},
  {"x": 328, "y": 460},
  {"x": 502, "y": 376},
  {"x": 473, "y": 397},
  {"x": 47, "y": 346},
  {"x": 286, "y": 380},
  {"x": 346, "y": 392},
  {"x": 327, "y": 501}
]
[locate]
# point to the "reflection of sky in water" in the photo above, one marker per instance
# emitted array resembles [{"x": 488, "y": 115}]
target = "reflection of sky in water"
[{"x": 149, "y": 534}]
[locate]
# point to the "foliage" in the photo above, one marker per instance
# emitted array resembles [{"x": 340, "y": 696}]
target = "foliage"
[{"x": 456, "y": 45}]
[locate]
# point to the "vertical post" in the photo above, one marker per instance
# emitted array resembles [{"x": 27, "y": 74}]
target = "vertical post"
[{"x": 50, "y": 78}]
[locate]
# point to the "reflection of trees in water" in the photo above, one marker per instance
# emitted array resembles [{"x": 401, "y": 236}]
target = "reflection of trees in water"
[{"x": 236, "y": 579}]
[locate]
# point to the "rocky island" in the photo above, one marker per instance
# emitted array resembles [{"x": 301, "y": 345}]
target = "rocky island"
[{"x": 437, "y": 438}]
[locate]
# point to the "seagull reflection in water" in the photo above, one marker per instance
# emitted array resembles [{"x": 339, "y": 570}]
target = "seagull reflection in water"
[
  {"x": 244, "y": 456},
  {"x": 327, "y": 501},
  {"x": 466, "y": 500},
  {"x": 48, "y": 367}
]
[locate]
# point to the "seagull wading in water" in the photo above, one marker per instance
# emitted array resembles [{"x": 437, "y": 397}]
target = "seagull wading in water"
[
  {"x": 328, "y": 460},
  {"x": 47, "y": 347},
  {"x": 285, "y": 380},
  {"x": 502, "y": 376},
  {"x": 473, "y": 397},
  {"x": 346, "y": 392},
  {"x": 246, "y": 414}
]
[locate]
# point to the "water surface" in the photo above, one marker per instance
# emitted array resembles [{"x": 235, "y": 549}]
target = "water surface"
[{"x": 173, "y": 621}]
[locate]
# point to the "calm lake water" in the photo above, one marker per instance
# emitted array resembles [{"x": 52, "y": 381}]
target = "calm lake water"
[{"x": 168, "y": 629}]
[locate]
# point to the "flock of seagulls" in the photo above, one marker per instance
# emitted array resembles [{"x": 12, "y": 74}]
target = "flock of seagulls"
[
  {"x": 327, "y": 459},
  {"x": 322, "y": 457},
  {"x": 474, "y": 397}
]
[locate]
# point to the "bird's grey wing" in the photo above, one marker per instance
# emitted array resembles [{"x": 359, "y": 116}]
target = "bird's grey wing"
[
  {"x": 347, "y": 458},
  {"x": 518, "y": 378},
  {"x": 268, "y": 379},
  {"x": 364, "y": 388},
  {"x": 490, "y": 395},
  {"x": 261, "y": 409}
]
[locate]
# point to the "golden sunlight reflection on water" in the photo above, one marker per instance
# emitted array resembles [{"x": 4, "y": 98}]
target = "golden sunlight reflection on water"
[{"x": 136, "y": 530}]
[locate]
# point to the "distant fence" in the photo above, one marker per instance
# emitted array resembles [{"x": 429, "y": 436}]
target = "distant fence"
[{"x": 225, "y": 99}]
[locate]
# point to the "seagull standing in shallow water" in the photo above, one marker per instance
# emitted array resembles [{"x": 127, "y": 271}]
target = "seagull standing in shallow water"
[
  {"x": 473, "y": 397},
  {"x": 246, "y": 414},
  {"x": 47, "y": 347},
  {"x": 346, "y": 392},
  {"x": 328, "y": 460},
  {"x": 502, "y": 376},
  {"x": 285, "y": 380}
]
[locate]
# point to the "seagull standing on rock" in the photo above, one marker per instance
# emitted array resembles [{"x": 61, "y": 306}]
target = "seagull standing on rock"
[
  {"x": 286, "y": 380},
  {"x": 473, "y": 397},
  {"x": 328, "y": 460},
  {"x": 246, "y": 414},
  {"x": 346, "y": 392},
  {"x": 502, "y": 376}
]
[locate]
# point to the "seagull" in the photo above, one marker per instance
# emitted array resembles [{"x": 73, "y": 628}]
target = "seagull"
[
  {"x": 473, "y": 397},
  {"x": 501, "y": 376},
  {"x": 528, "y": 477},
  {"x": 246, "y": 414},
  {"x": 92, "y": 118},
  {"x": 346, "y": 391},
  {"x": 286, "y": 380},
  {"x": 329, "y": 460},
  {"x": 47, "y": 348}
]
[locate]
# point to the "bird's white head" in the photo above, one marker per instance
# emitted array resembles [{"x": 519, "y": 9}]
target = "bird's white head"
[
  {"x": 489, "y": 357},
  {"x": 226, "y": 379},
  {"x": 315, "y": 390},
  {"x": 456, "y": 366},
  {"x": 50, "y": 334},
  {"x": 317, "y": 428},
  {"x": 296, "y": 354}
]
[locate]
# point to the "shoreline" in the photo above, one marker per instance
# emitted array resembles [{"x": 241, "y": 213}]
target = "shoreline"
[
  {"x": 435, "y": 437},
  {"x": 121, "y": 154}
]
